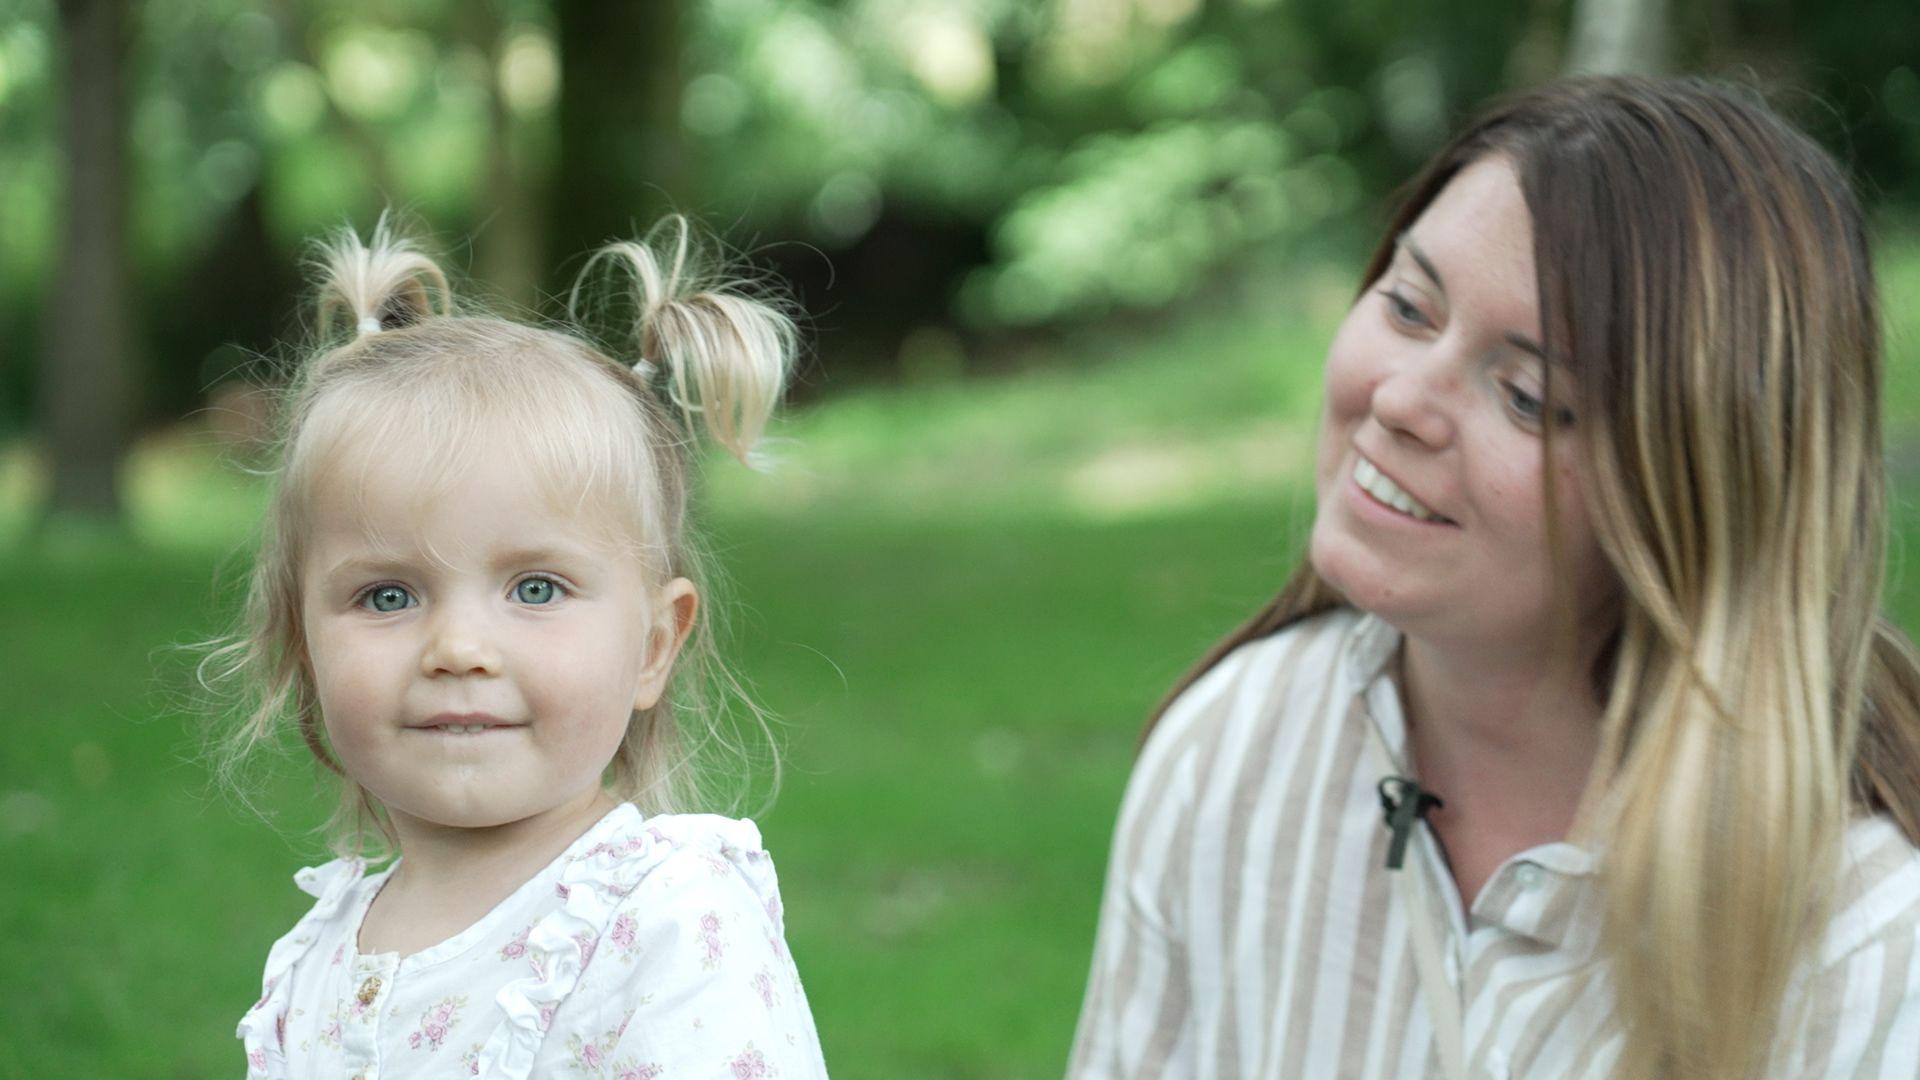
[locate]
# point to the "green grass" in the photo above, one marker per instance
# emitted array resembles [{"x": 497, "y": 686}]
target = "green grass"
[{"x": 961, "y": 598}]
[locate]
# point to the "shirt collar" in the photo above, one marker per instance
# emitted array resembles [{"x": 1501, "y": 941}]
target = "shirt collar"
[{"x": 1549, "y": 892}]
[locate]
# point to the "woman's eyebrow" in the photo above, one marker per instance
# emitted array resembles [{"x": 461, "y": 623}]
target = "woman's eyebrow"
[
  {"x": 1405, "y": 242},
  {"x": 1519, "y": 341}
]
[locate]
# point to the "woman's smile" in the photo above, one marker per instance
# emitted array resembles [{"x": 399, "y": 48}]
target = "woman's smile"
[{"x": 1377, "y": 489}]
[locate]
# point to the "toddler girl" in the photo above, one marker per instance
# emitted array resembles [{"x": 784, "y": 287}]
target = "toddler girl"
[{"x": 473, "y": 587}]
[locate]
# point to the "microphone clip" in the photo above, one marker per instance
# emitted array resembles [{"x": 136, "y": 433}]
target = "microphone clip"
[{"x": 1402, "y": 801}]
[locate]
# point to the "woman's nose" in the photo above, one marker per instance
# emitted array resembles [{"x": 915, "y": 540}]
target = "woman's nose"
[
  {"x": 459, "y": 643},
  {"x": 1414, "y": 400}
]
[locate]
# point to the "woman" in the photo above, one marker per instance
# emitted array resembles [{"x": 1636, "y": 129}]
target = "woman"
[{"x": 1590, "y": 612}]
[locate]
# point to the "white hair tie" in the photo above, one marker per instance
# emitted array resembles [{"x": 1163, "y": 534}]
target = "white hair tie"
[
  {"x": 369, "y": 325},
  {"x": 645, "y": 368}
]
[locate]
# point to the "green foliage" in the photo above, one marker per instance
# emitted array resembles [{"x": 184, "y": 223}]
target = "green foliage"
[{"x": 1044, "y": 164}]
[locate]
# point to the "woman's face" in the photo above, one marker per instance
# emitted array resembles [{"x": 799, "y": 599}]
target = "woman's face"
[{"x": 1429, "y": 482}]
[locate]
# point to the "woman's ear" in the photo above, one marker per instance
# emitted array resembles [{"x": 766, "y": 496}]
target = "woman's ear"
[{"x": 678, "y": 603}]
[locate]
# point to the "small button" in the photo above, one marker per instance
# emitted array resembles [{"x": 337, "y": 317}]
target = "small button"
[
  {"x": 369, "y": 990},
  {"x": 1528, "y": 875}
]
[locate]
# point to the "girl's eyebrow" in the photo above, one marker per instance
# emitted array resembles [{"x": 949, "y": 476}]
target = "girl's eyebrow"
[
  {"x": 543, "y": 553},
  {"x": 363, "y": 564},
  {"x": 1519, "y": 341},
  {"x": 519, "y": 556}
]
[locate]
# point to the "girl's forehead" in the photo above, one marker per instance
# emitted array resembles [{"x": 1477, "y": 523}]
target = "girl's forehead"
[{"x": 402, "y": 497}]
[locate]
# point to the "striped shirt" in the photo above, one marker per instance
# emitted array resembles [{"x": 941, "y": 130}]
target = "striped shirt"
[{"x": 1250, "y": 928}]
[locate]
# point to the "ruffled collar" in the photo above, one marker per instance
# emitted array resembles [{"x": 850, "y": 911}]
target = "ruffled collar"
[{"x": 589, "y": 880}]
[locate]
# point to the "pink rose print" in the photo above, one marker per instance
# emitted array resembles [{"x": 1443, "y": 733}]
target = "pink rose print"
[
  {"x": 330, "y": 1031},
  {"x": 624, "y": 846},
  {"x": 436, "y": 1022},
  {"x": 257, "y": 1059},
  {"x": 340, "y": 952},
  {"x": 546, "y": 1016},
  {"x": 586, "y": 941},
  {"x": 710, "y": 938},
  {"x": 763, "y": 982},
  {"x": 591, "y": 1056},
  {"x": 517, "y": 948},
  {"x": 470, "y": 1061},
  {"x": 624, "y": 933},
  {"x": 627, "y": 1070},
  {"x": 773, "y": 932},
  {"x": 750, "y": 1065},
  {"x": 280, "y": 1029},
  {"x": 560, "y": 890}
]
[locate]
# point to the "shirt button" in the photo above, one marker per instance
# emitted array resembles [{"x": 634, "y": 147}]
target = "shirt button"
[
  {"x": 1528, "y": 875},
  {"x": 369, "y": 990}
]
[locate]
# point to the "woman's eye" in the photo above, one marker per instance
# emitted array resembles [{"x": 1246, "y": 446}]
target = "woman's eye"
[
  {"x": 1524, "y": 405},
  {"x": 387, "y": 598},
  {"x": 536, "y": 590},
  {"x": 1532, "y": 409},
  {"x": 1403, "y": 310}
]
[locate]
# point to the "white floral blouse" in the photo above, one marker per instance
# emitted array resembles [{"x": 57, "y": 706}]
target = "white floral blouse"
[{"x": 651, "y": 948}]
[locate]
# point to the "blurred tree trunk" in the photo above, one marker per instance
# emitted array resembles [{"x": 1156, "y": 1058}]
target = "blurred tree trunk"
[
  {"x": 1620, "y": 37},
  {"x": 86, "y": 384},
  {"x": 509, "y": 255},
  {"x": 622, "y": 162}
]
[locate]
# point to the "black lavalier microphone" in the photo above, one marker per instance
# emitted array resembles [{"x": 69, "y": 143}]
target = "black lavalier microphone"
[{"x": 1402, "y": 802}]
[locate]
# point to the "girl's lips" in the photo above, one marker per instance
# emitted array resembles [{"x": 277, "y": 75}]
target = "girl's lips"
[{"x": 464, "y": 724}]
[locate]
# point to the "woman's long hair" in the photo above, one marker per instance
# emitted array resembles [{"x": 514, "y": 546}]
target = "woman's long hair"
[{"x": 1704, "y": 278}]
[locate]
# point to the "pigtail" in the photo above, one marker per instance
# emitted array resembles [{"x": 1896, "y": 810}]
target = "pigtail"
[
  {"x": 704, "y": 342},
  {"x": 382, "y": 286}
]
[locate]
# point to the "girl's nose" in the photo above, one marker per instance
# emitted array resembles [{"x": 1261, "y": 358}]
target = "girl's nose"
[
  {"x": 459, "y": 645},
  {"x": 1414, "y": 401}
]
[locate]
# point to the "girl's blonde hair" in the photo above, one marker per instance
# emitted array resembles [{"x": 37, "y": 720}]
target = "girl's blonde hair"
[
  {"x": 1704, "y": 276},
  {"x": 397, "y": 359}
]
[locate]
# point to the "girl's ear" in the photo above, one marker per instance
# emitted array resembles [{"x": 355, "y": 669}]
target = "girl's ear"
[{"x": 679, "y": 603}]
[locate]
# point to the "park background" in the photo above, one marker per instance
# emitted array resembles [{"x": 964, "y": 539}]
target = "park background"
[{"x": 1068, "y": 269}]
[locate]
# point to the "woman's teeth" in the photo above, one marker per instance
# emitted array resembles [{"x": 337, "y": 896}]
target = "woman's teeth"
[{"x": 1375, "y": 483}]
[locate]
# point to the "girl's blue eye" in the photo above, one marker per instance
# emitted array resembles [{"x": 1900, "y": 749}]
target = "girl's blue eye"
[
  {"x": 536, "y": 590},
  {"x": 387, "y": 598}
]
